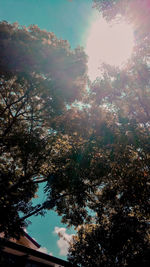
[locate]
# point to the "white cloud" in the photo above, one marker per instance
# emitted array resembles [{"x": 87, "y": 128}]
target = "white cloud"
[
  {"x": 63, "y": 242},
  {"x": 44, "y": 250}
]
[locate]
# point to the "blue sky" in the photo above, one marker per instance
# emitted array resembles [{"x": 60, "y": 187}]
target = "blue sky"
[{"x": 69, "y": 20}]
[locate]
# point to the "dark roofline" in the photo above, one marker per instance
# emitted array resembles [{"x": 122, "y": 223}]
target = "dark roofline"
[
  {"x": 31, "y": 252},
  {"x": 31, "y": 239}
]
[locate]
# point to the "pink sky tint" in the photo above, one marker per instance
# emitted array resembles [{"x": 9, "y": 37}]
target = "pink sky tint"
[{"x": 108, "y": 43}]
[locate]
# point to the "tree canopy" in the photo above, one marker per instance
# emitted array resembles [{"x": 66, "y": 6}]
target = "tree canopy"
[
  {"x": 39, "y": 76},
  {"x": 135, "y": 11},
  {"x": 91, "y": 147},
  {"x": 118, "y": 180},
  {"x": 119, "y": 242},
  {"x": 118, "y": 232}
]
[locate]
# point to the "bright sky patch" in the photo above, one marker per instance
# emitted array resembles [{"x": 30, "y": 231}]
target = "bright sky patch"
[{"x": 108, "y": 43}]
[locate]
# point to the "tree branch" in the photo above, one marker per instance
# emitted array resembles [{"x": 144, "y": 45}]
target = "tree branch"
[{"x": 48, "y": 204}]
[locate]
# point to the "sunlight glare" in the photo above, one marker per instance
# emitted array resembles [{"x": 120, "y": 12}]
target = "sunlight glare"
[{"x": 110, "y": 44}]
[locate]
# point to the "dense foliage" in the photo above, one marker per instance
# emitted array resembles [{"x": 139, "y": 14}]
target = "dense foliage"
[
  {"x": 90, "y": 147},
  {"x": 120, "y": 176},
  {"x": 121, "y": 242},
  {"x": 39, "y": 76},
  {"x": 119, "y": 233}
]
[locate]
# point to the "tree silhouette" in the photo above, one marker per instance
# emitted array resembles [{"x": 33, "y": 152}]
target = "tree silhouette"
[{"x": 39, "y": 76}]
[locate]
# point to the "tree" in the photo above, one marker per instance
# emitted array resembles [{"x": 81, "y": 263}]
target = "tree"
[
  {"x": 118, "y": 234},
  {"x": 94, "y": 159},
  {"x": 119, "y": 177},
  {"x": 39, "y": 76},
  {"x": 120, "y": 242},
  {"x": 134, "y": 11}
]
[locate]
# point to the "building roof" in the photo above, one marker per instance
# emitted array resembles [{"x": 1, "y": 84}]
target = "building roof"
[
  {"x": 25, "y": 240},
  {"x": 33, "y": 255}
]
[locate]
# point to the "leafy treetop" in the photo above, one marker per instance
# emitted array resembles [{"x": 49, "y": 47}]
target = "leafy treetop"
[{"x": 39, "y": 76}]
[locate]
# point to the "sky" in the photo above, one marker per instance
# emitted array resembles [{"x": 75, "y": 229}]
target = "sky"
[{"x": 69, "y": 20}]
